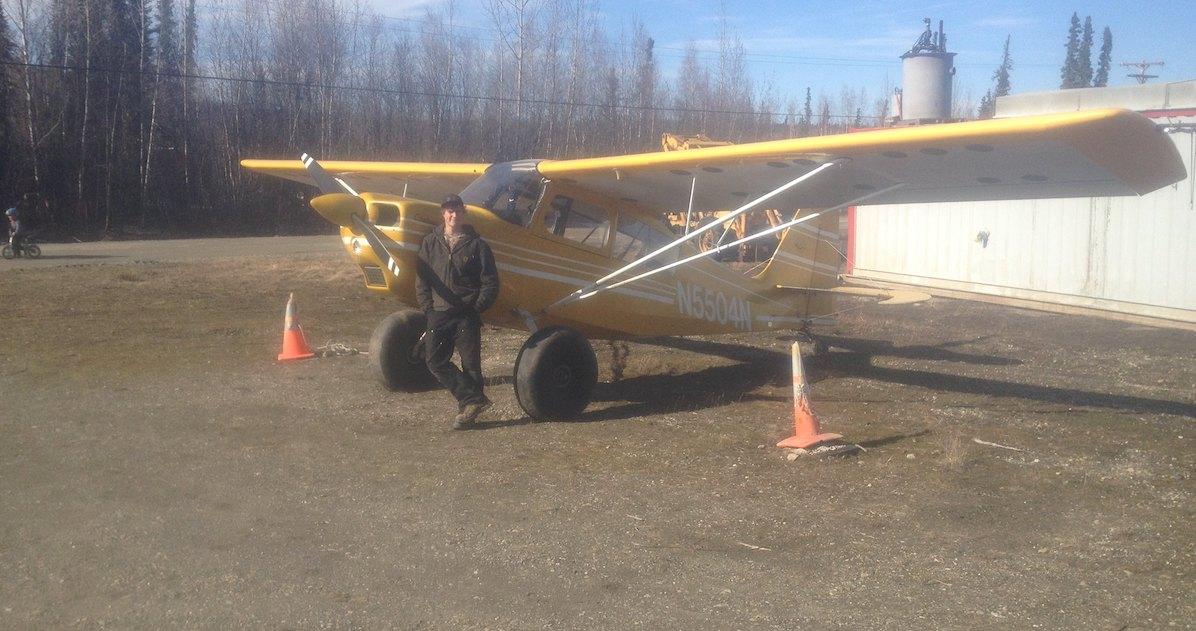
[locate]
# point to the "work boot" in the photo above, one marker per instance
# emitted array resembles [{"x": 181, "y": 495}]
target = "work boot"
[{"x": 470, "y": 413}]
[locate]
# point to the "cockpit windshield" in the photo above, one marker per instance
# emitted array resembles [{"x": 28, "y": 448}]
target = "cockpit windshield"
[{"x": 510, "y": 190}]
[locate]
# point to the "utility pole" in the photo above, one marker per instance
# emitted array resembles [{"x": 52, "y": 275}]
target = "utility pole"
[{"x": 1142, "y": 67}]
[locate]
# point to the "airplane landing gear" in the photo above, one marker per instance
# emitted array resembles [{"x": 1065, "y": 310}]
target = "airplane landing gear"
[
  {"x": 397, "y": 352},
  {"x": 555, "y": 373}
]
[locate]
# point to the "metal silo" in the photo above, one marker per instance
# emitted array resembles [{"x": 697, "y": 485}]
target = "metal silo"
[{"x": 926, "y": 73}]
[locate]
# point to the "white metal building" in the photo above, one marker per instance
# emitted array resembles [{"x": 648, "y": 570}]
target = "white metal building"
[{"x": 1130, "y": 255}]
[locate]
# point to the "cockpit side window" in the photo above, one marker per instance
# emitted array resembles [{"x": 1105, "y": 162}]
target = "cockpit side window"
[
  {"x": 518, "y": 202},
  {"x": 635, "y": 239},
  {"x": 578, "y": 221},
  {"x": 510, "y": 190}
]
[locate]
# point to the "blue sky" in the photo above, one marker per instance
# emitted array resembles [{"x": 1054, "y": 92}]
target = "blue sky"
[{"x": 831, "y": 45}]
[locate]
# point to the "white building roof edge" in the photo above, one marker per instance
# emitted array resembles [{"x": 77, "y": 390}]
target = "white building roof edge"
[{"x": 1176, "y": 95}]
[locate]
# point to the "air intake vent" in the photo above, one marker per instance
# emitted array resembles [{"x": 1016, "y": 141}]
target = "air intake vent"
[{"x": 373, "y": 276}]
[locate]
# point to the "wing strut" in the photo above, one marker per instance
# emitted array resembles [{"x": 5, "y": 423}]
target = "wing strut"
[
  {"x": 691, "y": 235},
  {"x": 783, "y": 226},
  {"x": 689, "y": 212}
]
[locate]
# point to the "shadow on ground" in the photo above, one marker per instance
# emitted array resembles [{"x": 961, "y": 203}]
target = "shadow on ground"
[{"x": 721, "y": 385}]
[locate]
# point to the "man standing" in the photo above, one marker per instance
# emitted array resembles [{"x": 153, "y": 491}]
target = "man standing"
[{"x": 456, "y": 281}]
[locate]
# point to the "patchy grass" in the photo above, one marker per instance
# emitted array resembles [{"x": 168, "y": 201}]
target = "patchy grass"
[{"x": 159, "y": 468}]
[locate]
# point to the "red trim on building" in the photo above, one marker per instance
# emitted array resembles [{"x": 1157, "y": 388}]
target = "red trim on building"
[
  {"x": 850, "y": 265},
  {"x": 1191, "y": 111}
]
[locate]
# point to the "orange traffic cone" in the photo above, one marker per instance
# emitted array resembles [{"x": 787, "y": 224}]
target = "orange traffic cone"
[
  {"x": 806, "y": 432},
  {"x": 294, "y": 344}
]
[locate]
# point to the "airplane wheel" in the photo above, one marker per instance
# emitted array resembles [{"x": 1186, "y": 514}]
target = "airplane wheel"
[
  {"x": 555, "y": 374},
  {"x": 397, "y": 352}
]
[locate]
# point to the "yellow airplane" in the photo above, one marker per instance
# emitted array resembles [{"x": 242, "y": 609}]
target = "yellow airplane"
[{"x": 582, "y": 250}]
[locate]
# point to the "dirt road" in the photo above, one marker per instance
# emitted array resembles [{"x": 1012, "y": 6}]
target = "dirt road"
[
  {"x": 175, "y": 251},
  {"x": 158, "y": 468}
]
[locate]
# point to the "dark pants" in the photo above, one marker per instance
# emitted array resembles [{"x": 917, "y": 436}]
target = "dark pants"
[
  {"x": 15, "y": 240},
  {"x": 447, "y": 331}
]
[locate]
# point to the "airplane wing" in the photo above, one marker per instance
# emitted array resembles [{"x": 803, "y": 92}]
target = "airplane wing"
[
  {"x": 422, "y": 180},
  {"x": 1077, "y": 154}
]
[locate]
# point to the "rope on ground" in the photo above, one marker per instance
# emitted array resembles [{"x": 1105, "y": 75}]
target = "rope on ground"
[
  {"x": 998, "y": 445},
  {"x": 336, "y": 349}
]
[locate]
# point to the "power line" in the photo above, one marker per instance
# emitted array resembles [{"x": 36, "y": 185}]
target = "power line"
[
  {"x": 1142, "y": 67},
  {"x": 676, "y": 53},
  {"x": 673, "y": 51},
  {"x": 393, "y": 91},
  {"x": 775, "y": 58}
]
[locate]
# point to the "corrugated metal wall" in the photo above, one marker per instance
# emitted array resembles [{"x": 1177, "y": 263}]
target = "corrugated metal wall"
[{"x": 1128, "y": 254}]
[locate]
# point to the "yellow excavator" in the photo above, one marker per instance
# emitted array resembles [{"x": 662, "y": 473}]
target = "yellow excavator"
[
  {"x": 734, "y": 229},
  {"x": 677, "y": 142}
]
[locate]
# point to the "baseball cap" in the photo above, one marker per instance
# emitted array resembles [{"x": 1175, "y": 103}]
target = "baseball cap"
[{"x": 452, "y": 201}]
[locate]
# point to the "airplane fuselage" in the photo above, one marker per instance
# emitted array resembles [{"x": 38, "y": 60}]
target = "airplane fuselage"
[{"x": 538, "y": 265}]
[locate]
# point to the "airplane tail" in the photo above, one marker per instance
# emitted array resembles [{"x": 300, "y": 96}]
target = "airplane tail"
[{"x": 808, "y": 255}]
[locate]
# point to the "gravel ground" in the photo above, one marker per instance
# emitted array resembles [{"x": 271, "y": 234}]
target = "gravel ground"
[{"x": 159, "y": 468}]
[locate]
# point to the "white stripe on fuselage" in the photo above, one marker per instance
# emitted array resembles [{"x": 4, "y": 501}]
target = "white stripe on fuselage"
[
  {"x": 812, "y": 231},
  {"x": 577, "y": 282},
  {"x": 568, "y": 280},
  {"x": 795, "y": 320},
  {"x": 578, "y": 266},
  {"x": 658, "y": 296}
]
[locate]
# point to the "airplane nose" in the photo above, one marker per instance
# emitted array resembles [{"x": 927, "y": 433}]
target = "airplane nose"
[{"x": 339, "y": 208}]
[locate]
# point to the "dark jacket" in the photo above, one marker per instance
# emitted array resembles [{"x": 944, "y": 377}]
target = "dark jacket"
[{"x": 463, "y": 281}]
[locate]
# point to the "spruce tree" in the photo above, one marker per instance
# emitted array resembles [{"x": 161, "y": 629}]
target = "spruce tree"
[
  {"x": 807, "y": 114},
  {"x": 988, "y": 106},
  {"x": 1106, "y": 59},
  {"x": 169, "y": 55},
  {"x": 988, "y": 102},
  {"x": 1069, "y": 73},
  {"x": 190, "y": 35},
  {"x": 1084, "y": 57},
  {"x": 1001, "y": 76},
  {"x": 124, "y": 109}
]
